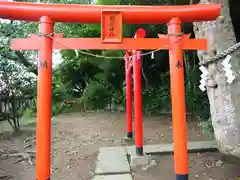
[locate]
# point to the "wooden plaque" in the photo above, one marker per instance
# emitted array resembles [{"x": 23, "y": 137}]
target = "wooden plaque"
[{"x": 111, "y": 22}]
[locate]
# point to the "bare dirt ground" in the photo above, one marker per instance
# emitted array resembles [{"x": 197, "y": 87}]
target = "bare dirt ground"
[
  {"x": 202, "y": 166},
  {"x": 77, "y": 137}
]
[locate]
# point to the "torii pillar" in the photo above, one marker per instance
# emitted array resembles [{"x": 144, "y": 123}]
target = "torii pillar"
[
  {"x": 133, "y": 59},
  {"x": 111, "y": 18}
]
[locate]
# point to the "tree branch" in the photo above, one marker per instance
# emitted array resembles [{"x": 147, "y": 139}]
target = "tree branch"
[
  {"x": 21, "y": 59},
  {"x": 194, "y": 1},
  {"x": 32, "y": 67},
  {"x": 9, "y": 56}
]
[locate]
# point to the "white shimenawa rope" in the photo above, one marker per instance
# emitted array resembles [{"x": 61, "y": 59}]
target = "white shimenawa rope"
[
  {"x": 222, "y": 55},
  {"x": 107, "y": 57}
]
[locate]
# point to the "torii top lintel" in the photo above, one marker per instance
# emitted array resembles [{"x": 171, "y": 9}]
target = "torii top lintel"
[{"x": 92, "y": 13}]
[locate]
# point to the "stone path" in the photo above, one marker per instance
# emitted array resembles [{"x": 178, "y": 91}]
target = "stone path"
[
  {"x": 113, "y": 177},
  {"x": 113, "y": 163}
]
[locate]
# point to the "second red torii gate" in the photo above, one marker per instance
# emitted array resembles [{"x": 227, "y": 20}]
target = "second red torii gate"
[{"x": 111, "y": 18}]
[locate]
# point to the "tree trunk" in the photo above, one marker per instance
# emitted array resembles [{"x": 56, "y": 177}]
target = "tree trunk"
[{"x": 225, "y": 98}]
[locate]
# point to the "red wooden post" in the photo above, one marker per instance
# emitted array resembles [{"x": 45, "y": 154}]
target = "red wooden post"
[
  {"x": 178, "y": 101},
  {"x": 44, "y": 99},
  {"x": 138, "y": 102},
  {"x": 141, "y": 33},
  {"x": 128, "y": 74}
]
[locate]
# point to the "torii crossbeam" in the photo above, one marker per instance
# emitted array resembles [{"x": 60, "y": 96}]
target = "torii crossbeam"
[
  {"x": 163, "y": 42},
  {"x": 111, "y": 19}
]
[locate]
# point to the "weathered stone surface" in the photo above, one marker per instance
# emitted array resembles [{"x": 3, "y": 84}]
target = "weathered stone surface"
[
  {"x": 114, "y": 148},
  {"x": 113, "y": 177},
  {"x": 202, "y": 145},
  {"x": 138, "y": 161},
  {"x": 168, "y": 148},
  {"x": 224, "y": 100},
  {"x": 112, "y": 161}
]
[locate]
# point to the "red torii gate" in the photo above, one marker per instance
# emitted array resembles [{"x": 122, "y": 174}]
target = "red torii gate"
[{"x": 111, "y": 18}]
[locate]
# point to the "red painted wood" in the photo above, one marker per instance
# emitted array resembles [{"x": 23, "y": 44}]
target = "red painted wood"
[{"x": 92, "y": 13}]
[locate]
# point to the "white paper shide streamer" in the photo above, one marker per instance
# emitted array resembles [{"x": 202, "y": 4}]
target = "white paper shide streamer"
[
  {"x": 227, "y": 68},
  {"x": 152, "y": 55},
  {"x": 204, "y": 77}
]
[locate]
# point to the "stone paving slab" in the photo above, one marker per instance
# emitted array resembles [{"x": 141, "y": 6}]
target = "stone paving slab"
[
  {"x": 112, "y": 163},
  {"x": 202, "y": 146},
  {"x": 113, "y": 177},
  {"x": 114, "y": 148},
  {"x": 112, "y": 160},
  {"x": 168, "y": 148}
]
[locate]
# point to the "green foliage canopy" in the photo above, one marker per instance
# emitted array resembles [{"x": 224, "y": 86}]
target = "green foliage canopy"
[{"x": 97, "y": 82}]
